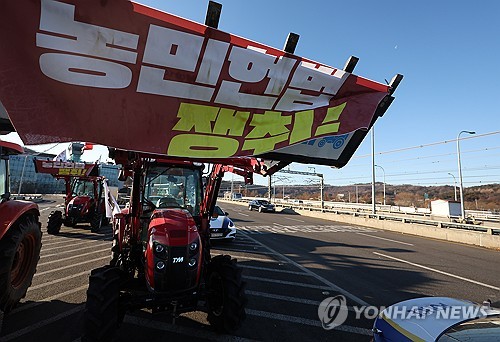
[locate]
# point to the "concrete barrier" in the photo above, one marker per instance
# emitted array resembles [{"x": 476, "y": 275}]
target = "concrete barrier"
[{"x": 483, "y": 239}]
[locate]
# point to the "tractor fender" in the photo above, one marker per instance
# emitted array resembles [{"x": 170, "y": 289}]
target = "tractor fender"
[{"x": 11, "y": 211}]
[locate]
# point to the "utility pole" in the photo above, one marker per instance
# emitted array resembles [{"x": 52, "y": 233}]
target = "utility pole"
[
  {"x": 269, "y": 188},
  {"x": 320, "y": 175},
  {"x": 374, "y": 209}
]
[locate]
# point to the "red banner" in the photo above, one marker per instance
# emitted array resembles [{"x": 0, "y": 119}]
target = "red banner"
[
  {"x": 63, "y": 168},
  {"x": 121, "y": 74}
]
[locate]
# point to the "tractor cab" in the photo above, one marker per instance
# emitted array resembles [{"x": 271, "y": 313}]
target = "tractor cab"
[
  {"x": 6, "y": 149},
  {"x": 173, "y": 187}
]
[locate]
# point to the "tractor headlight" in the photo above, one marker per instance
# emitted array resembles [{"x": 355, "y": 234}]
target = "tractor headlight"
[
  {"x": 194, "y": 247},
  {"x": 160, "y": 265},
  {"x": 160, "y": 250},
  {"x": 192, "y": 262},
  {"x": 231, "y": 224}
]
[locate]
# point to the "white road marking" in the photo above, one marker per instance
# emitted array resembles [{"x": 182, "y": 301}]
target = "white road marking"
[
  {"x": 58, "y": 280},
  {"x": 243, "y": 214},
  {"x": 438, "y": 271},
  {"x": 64, "y": 239},
  {"x": 323, "y": 280},
  {"x": 284, "y": 282},
  {"x": 300, "y": 320},
  {"x": 71, "y": 266},
  {"x": 289, "y": 218},
  {"x": 187, "y": 331},
  {"x": 48, "y": 299},
  {"x": 69, "y": 245},
  {"x": 381, "y": 238},
  {"x": 108, "y": 243},
  {"x": 277, "y": 224},
  {"x": 46, "y": 209},
  {"x": 253, "y": 251},
  {"x": 73, "y": 257},
  {"x": 273, "y": 270},
  {"x": 43, "y": 323}
]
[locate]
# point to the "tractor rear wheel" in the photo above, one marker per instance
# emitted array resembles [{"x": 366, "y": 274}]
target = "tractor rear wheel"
[
  {"x": 226, "y": 297},
  {"x": 19, "y": 255},
  {"x": 96, "y": 222},
  {"x": 104, "y": 312},
  {"x": 54, "y": 222}
]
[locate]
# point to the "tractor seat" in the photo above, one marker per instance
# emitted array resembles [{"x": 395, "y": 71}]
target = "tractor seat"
[{"x": 167, "y": 202}]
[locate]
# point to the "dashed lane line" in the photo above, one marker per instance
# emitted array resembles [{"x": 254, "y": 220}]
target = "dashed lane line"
[
  {"x": 284, "y": 282},
  {"x": 381, "y": 238},
  {"x": 438, "y": 271},
  {"x": 273, "y": 270},
  {"x": 305, "y": 321},
  {"x": 250, "y": 251},
  {"x": 292, "y": 219},
  {"x": 331, "y": 285},
  {"x": 43, "y": 323},
  {"x": 177, "y": 329}
]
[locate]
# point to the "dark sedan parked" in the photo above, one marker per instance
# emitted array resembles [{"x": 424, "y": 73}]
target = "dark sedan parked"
[{"x": 261, "y": 205}]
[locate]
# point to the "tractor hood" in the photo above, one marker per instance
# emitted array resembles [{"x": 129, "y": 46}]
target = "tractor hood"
[
  {"x": 80, "y": 200},
  {"x": 123, "y": 71},
  {"x": 173, "y": 227}
]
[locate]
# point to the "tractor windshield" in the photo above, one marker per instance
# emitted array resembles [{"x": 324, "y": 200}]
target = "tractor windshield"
[
  {"x": 83, "y": 188},
  {"x": 174, "y": 187}
]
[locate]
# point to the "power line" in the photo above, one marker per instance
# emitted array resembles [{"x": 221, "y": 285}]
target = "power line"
[{"x": 427, "y": 145}]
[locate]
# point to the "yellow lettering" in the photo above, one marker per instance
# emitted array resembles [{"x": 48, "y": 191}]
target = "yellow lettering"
[
  {"x": 332, "y": 114},
  {"x": 195, "y": 116},
  {"x": 230, "y": 122},
  {"x": 202, "y": 146},
  {"x": 302, "y": 126},
  {"x": 272, "y": 123}
]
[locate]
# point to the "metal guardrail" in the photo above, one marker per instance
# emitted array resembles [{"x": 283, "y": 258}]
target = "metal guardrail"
[{"x": 403, "y": 218}]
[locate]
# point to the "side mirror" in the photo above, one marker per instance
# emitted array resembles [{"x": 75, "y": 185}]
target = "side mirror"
[{"x": 226, "y": 213}]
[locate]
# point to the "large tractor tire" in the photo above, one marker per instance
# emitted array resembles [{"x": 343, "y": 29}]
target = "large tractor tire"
[
  {"x": 226, "y": 297},
  {"x": 96, "y": 222},
  {"x": 104, "y": 311},
  {"x": 70, "y": 222},
  {"x": 54, "y": 222},
  {"x": 19, "y": 255}
]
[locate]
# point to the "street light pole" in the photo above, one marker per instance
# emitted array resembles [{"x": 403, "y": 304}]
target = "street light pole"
[
  {"x": 454, "y": 184},
  {"x": 460, "y": 173},
  {"x": 384, "y": 179},
  {"x": 374, "y": 208}
]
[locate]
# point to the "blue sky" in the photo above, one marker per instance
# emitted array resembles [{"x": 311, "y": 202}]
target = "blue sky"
[{"x": 448, "y": 52}]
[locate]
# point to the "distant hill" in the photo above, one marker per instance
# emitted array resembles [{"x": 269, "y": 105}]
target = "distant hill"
[{"x": 484, "y": 197}]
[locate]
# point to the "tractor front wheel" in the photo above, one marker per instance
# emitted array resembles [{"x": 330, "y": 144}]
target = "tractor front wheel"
[
  {"x": 104, "y": 311},
  {"x": 226, "y": 297},
  {"x": 96, "y": 222},
  {"x": 54, "y": 222},
  {"x": 19, "y": 255}
]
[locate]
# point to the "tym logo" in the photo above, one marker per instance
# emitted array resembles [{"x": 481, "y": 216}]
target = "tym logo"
[{"x": 178, "y": 259}]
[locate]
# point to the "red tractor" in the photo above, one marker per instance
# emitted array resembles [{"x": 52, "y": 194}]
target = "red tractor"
[
  {"x": 20, "y": 238},
  {"x": 161, "y": 251},
  {"x": 83, "y": 202}
]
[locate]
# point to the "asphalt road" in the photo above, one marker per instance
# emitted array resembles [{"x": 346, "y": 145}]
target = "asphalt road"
[{"x": 290, "y": 263}]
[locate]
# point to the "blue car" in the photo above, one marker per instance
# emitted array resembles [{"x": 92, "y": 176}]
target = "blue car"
[{"x": 440, "y": 319}]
